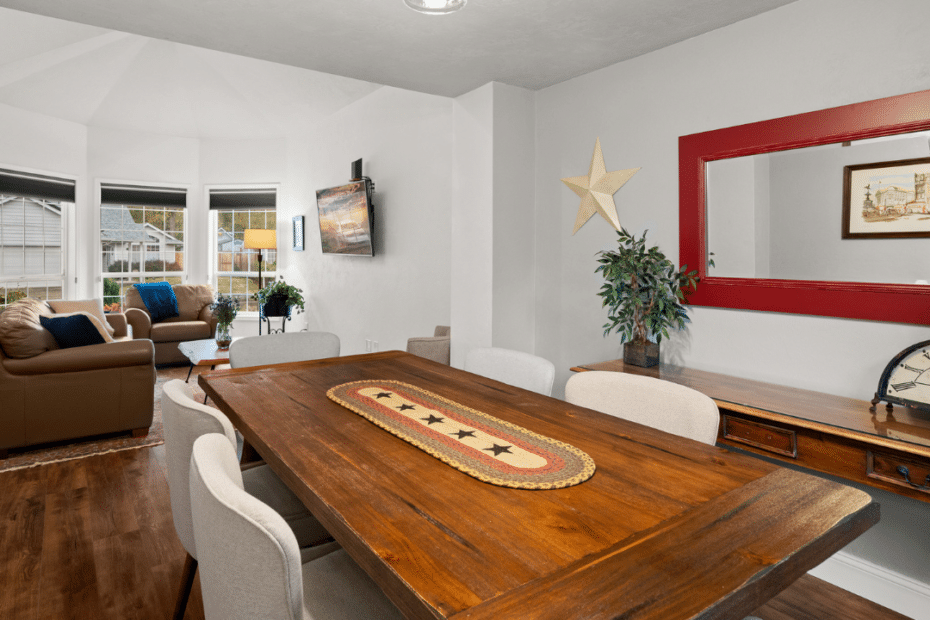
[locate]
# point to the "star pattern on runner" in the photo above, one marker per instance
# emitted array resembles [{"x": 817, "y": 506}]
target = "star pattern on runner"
[
  {"x": 405, "y": 407},
  {"x": 498, "y": 450},
  {"x": 462, "y": 433},
  {"x": 383, "y": 395},
  {"x": 432, "y": 419}
]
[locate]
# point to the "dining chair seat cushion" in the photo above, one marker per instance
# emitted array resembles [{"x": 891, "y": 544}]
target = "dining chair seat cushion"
[
  {"x": 335, "y": 587},
  {"x": 516, "y": 368},
  {"x": 282, "y": 348},
  {"x": 262, "y": 483}
]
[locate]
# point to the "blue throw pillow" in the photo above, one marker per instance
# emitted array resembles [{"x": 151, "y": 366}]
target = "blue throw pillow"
[
  {"x": 159, "y": 300},
  {"x": 74, "y": 330}
]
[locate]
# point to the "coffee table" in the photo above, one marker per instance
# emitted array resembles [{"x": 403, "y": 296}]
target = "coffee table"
[{"x": 203, "y": 353}]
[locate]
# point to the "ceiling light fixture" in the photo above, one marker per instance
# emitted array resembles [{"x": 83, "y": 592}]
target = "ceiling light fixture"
[{"x": 435, "y": 7}]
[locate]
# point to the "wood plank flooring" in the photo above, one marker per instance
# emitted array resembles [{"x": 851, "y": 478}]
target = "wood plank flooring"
[{"x": 93, "y": 538}]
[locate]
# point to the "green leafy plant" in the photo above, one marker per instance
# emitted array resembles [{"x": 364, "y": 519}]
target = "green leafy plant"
[
  {"x": 225, "y": 309},
  {"x": 280, "y": 287},
  {"x": 642, "y": 290}
]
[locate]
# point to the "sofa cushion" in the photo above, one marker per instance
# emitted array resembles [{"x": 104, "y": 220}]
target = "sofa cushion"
[
  {"x": 78, "y": 329},
  {"x": 91, "y": 306},
  {"x": 159, "y": 300},
  {"x": 177, "y": 331},
  {"x": 21, "y": 333},
  {"x": 191, "y": 300}
]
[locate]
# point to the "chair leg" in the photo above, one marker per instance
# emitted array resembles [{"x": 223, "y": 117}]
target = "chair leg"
[{"x": 187, "y": 582}]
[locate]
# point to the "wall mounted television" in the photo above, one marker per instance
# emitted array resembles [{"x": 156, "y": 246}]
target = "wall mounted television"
[{"x": 346, "y": 219}]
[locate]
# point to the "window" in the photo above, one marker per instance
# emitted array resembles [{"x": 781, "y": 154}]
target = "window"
[
  {"x": 236, "y": 268},
  {"x": 33, "y": 211},
  {"x": 141, "y": 237}
]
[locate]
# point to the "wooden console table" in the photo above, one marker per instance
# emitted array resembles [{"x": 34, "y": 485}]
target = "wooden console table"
[{"x": 830, "y": 434}]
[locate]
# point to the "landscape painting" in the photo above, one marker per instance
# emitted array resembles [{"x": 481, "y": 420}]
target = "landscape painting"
[
  {"x": 887, "y": 199},
  {"x": 345, "y": 226}
]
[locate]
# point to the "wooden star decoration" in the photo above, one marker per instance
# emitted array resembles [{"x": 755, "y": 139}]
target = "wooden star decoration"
[{"x": 597, "y": 190}]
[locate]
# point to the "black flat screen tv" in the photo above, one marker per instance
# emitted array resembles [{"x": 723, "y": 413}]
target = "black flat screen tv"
[{"x": 345, "y": 219}]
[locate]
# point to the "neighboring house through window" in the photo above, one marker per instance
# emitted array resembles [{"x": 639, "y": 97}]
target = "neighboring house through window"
[
  {"x": 33, "y": 235},
  {"x": 235, "y": 268},
  {"x": 141, "y": 237}
]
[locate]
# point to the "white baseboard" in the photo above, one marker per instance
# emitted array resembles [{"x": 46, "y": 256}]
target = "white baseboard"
[{"x": 876, "y": 583}]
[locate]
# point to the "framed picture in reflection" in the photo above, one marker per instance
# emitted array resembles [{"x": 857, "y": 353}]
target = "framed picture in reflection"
[{"x": 887, "y": 199}]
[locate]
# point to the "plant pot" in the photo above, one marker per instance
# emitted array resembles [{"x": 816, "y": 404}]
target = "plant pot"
[
  {"x": 642, "y": 354},
  {"x": 276, "y": 305},
  {"x": 223, "y": 337}
]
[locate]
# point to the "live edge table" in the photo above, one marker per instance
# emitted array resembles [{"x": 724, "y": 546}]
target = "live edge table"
[{"x": 666, "y": 528}]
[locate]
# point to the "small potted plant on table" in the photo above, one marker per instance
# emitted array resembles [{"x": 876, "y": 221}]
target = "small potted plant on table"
[
  {"x": 225, "y": 310},
  {"x": 643, "y": 295}
]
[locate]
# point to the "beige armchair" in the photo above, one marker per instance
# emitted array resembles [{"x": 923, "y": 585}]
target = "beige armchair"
[
  {"x": 436, "y": 348},
  {"x": 49, "y": 394},
  {"x": 195, "y": 320}
]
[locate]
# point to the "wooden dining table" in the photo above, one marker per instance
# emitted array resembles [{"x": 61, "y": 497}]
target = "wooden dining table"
[{"x": 667, "y": 528}]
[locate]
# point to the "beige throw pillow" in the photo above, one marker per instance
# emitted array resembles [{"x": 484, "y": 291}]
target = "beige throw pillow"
[{"x": 90, "y": 306}]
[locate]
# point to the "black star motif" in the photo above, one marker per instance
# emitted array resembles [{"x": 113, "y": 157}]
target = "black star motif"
[
  {"x": 463, "y": 434},
  {"x": 405, "y": 407},
  {"x": 433, "y": 420},
  {"x": 383, "y": 395},
  {"x": 497, "y": 450}
]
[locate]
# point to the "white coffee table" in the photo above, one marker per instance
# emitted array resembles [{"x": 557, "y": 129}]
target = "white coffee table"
[{"x": 203, "y": 353}]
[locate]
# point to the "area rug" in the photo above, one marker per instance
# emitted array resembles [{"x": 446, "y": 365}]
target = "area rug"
[{"x": 66, "y": 451}]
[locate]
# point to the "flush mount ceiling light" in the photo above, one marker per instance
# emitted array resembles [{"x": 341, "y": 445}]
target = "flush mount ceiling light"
[{"x": 435, "y": 7}]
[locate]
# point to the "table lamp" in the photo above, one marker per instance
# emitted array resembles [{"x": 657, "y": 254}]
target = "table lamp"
[{"x": 259, "y": 239}]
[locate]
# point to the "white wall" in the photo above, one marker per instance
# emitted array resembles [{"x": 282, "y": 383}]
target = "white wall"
[
  {"x": 406, "y": 141},
  {"x": 804, "y": 56}
]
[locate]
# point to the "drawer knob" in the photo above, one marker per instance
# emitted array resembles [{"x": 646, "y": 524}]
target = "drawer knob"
[{"x": 907, "y": 478}]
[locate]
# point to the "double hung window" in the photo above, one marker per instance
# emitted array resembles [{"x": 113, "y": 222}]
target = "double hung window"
[
  {"x": 233, "y": 211},
  {"x": 141, "y": 237},
  {"x": 33, "y": 235}
]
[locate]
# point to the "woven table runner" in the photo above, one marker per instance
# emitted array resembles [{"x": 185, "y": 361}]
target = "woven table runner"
[{"x": 473, "y": 442}]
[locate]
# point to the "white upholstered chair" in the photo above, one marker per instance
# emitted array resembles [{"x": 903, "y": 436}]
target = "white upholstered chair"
[
  {"x": 648, "y": 401},
  {"x": 516, "y": 368},
  {"x": 282, "y": 348},
  {"x": 184, "y": 421},
  {"x": 435, "y": 347},
  {"x": 249, "y": 561}
]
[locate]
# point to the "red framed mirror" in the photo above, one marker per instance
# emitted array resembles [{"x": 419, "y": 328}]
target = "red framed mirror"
[{"x": 846, "y": 298}]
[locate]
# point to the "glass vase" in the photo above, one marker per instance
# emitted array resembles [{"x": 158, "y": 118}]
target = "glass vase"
[{"x": 223, "y": 337}]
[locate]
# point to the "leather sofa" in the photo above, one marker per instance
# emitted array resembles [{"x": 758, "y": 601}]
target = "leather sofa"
[
  {"x": 195, "y": 320},
  {"x": 49, "y": 394}
]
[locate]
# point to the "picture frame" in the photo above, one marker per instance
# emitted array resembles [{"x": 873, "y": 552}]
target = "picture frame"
[
  {"x": 887, "y": 200},
  {"x": 297, "y": 224}
]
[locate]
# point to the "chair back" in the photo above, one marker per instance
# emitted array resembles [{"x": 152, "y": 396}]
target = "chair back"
[
  {"x": 436, "y": 348},
  {"x": 516, "y": 368},
  {"x": 249, "y": 561},
  {"x": 184, "y": 421},
  {"x": 282, "y": 348},
  {"x": 648, "y": 401}
]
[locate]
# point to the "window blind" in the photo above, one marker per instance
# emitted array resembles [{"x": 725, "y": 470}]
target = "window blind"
[
  {"x": 243, "y": 199},
  {"x": 30, "y": 185},
  {"x": 143, "y": 196}
]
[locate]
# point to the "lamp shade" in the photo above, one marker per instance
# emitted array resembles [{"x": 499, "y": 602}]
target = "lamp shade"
[{"x": 258, "y": 239}]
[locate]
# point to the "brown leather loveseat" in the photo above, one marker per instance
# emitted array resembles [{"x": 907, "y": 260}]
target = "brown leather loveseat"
[
  {"x": 195, "y": 320},
  {"x": 50, "y": 394}
]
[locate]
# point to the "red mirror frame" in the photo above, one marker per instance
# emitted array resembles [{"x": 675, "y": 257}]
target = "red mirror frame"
[{"x": 902, "y": 303}]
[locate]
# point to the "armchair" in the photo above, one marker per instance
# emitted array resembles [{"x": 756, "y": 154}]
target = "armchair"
[
  {"x": 195, "y": 320},
  {"x": 436, "y": 347}
]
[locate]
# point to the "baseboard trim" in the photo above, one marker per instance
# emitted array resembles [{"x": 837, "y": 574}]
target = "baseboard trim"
[{"x": 876, "y": 583}]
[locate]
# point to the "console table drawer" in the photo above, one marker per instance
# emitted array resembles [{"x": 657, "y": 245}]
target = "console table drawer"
[
  {"x": 900, "y": 471},
  {"x": 763, "y": 436}
]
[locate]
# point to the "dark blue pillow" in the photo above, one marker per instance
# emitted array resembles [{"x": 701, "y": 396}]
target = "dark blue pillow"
[
  {"x": 159, "y": 300},
  {"x": 75, "y": 330}
]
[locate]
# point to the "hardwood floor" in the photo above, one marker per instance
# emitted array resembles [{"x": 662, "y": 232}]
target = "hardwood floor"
[{"x": 93, "y": 538}]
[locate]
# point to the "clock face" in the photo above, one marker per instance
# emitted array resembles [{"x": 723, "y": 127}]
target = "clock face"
[{"x": 907, "y": 378}]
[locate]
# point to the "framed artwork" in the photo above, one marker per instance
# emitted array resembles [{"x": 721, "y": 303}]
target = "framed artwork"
[
  {"x": 887, "y": 199},
  {"x": 298, "y": 233}
]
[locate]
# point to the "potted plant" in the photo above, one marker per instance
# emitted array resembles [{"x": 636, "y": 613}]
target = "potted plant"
[
  {"x": 278, "y": 297},
  {"x": 225, "y": 310},
  {"x": 643, "y": 294}
]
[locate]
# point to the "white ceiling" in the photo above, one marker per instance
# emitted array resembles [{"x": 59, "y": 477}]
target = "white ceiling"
[{"x": 527, "y": 43}]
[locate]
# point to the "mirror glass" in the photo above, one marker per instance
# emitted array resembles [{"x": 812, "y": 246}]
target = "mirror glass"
[{"x": 779, "y": 215}]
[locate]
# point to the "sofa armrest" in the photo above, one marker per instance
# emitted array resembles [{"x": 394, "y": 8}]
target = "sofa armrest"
[
  {"x": 92, "y": 357},
  {"x": 117, "y": 321},
  {"x": 141, "y": 323},
  {"x": 207, "y": 316},
  {"x": 436, "y": 348}
]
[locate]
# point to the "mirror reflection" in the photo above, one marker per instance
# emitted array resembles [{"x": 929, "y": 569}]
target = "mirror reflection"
[{"x": 779, "y": 215}]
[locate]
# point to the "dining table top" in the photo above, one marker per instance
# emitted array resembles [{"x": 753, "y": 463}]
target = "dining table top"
[{"x": 666, "y": 528}]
